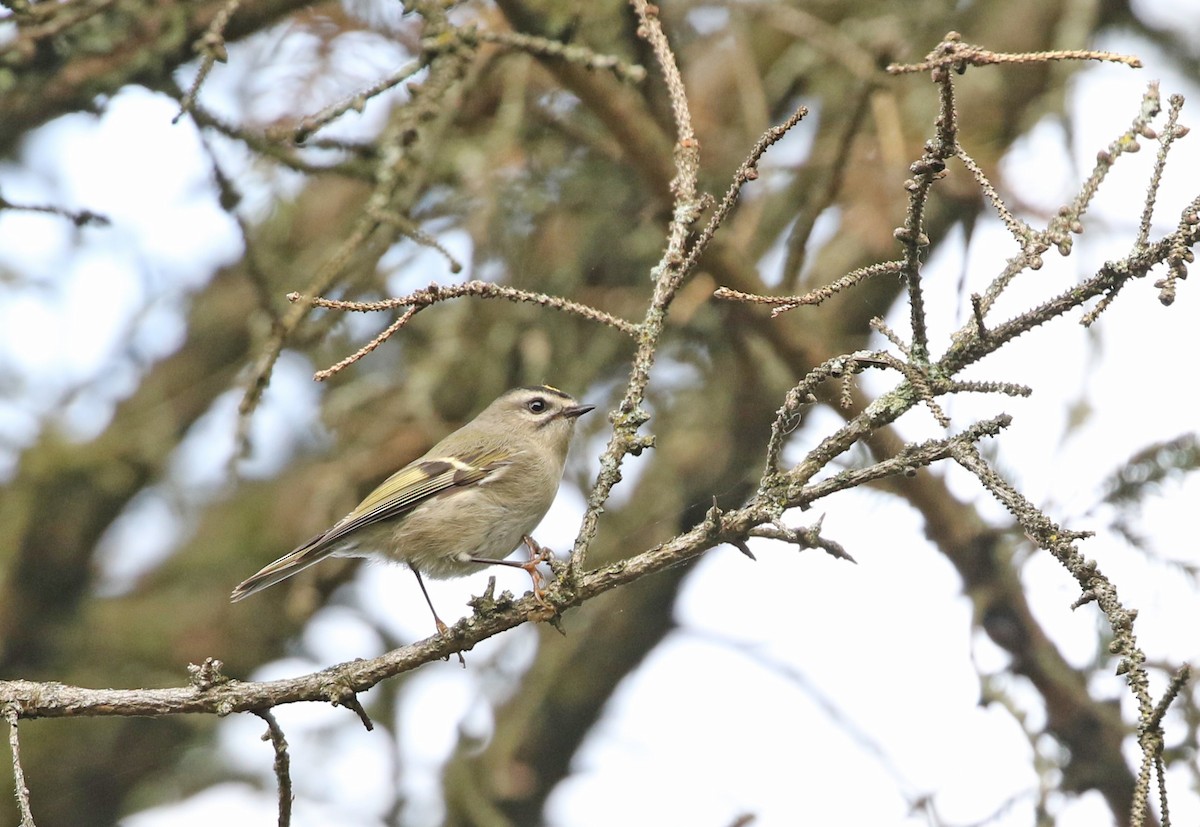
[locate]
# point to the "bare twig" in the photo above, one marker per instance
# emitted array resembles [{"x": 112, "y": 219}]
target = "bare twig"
[
  {"x": 1006, "y": 388},
  {"x": 434, "y": 293},
  {"x": 569, "y": 52},
  {"x": 952, "y": 53},
  {"x": 281, "y": 153},
  {"x": 1068, "y": 220},
  {"x": 748, "y": 171},
  {"x": 687, "y": 146},
  {"x": 1100, "y": 590},
  {"x": 787, "y": 417},
  {"x": 929, "y": 168},
  {"x": 1170, "y": 132},
  {"x": 79, "y": 218},
  {"x": 1018, "y": 228},
  {"x": 410, "y": 229},
  {"x": 211, "y": 48},
  {"x": 804, "y": 538},
  {"x": 668, "y": 275},
  {"x": 14, "y": 744},
  {"x": 813, "y": 297},
  {"x": 310, "y": 124},
  {"x": 914, "y": 456},
  {"x": 388, "y": 332},
  {"x": 283, "y": 774},
  {"x": 881, "y": 327}
]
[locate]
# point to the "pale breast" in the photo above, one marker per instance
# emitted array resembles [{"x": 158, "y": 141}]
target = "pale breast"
[{"x": 465, "y": 523}]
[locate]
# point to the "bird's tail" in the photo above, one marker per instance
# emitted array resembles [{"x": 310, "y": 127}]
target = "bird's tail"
[{"x": 295, "y": 561}]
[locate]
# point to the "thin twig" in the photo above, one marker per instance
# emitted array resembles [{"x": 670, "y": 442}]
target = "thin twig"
[
  {"x": 687, "y": 146},
  {"x": 281, "y": 153},
  {"x": 434, "y": 293},
  {"x": 1100, "y": 590},
  {"x": 569, "y": 52},
  {"x": 14, "y": 744},
  {"x": 808, "y": 538},
  {"x": 80, "y": 218},
  {"x": 785, "y": 303},
  {"x": 388, "y": 332},
  {"x": 1016, "y": 227},
  {"x": 1006, "y": 388},
  {"x": 914, "y": 456},
  {"x": 668, "y": 275},
  {"x": 787, "y": 417},
  {"x": 748, "y": 171},
  {"x": 283, "y": 774},
  {"x": 310, "y": 124},
  {"x": 410, "y": 229},
  {"x": 952, "y": 53},
  {"x": 928, "y": 169},
  {"x": 481, "y": 289},
  {"x": 211, "y": 48},
  {"x": 1067, "y": 221},
  {"x": 1165, "y": 141}
]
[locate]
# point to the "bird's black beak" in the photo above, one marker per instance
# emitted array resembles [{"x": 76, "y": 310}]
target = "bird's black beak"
[{"x": 577, "y": 410}]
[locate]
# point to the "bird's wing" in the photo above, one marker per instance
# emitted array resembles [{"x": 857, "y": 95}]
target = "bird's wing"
[
  {"x": 399, "y": 493},
  {"x": 416, "y": 483}
]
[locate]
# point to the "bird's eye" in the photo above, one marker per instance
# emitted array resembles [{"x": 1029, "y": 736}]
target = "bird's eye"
[{"x": 537, "y": 405}]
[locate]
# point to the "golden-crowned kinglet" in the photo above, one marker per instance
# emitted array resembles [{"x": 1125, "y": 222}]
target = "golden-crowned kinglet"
[{"x": 472, "y": 499}]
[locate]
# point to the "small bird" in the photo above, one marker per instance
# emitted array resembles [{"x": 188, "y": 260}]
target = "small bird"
[{"x": 470, "y": 501}]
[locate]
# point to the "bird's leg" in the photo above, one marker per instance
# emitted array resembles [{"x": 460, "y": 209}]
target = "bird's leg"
[
  {"x": 537, "y": 554},
  {"x": 442, "y": 628}
]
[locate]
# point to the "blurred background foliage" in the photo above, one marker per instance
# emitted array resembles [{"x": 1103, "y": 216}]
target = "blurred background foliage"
[{"x": 542, "y": 174}]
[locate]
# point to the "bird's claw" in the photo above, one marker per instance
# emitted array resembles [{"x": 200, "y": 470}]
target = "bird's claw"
[{"x": 537, "y": 554}]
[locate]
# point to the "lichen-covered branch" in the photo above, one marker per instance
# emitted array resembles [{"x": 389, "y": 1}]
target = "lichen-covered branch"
[
  {"x": 435, "y": 293},
  {"x": 212, "y": 693}
]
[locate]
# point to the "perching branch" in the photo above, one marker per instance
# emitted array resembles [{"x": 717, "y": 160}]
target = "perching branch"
[{"x": 210, "y": 692}]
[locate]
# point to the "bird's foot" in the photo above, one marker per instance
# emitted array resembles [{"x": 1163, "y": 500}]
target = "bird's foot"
[{"x": 538, "y": 554}]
